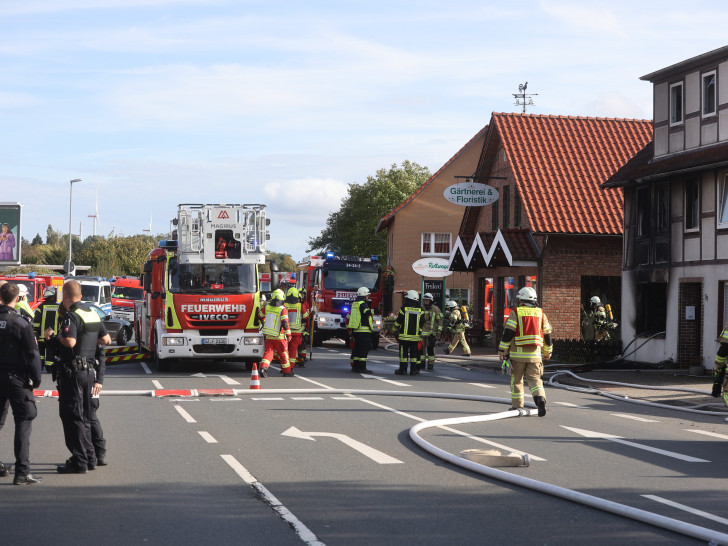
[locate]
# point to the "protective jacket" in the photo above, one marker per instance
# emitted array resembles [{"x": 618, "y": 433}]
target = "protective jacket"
[
  {"x": 526, "y": 334},
  {"x": 18, "y": 348},
  {"x": 408, "y": 323},
  {"x": 275, "y": 322},
  {"x": 431, "y": 320},
  {"x": 360, "y": 319},
  {"x": 84, "y": 324}
]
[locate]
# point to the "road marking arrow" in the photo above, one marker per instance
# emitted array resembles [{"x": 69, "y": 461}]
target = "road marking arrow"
[
  {"x": 380, "y": 378},
  {"x": 620, "y": 440},
  {"x": 225, "y": 378},
  {"x": 373, "y": 454}
]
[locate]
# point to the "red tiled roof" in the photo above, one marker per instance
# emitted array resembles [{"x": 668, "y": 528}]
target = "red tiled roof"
[
  {"x": 559, "y": 163},
  {"x": 384, "y": 222}
]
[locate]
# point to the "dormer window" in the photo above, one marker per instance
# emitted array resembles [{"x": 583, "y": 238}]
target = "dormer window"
[
  {"x": 709, "y": 106},
  {"x": 676, "y": 103}
]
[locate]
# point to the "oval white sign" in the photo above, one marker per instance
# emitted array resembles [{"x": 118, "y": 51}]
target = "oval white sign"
[
  {"x": 432, "y": 267},
  {"x": 471, "y": 194}
]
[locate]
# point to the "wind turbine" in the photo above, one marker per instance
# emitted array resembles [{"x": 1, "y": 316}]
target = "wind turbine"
[
  {"x": 96, "y": 215},
  {"x": 150, "y": 226}
]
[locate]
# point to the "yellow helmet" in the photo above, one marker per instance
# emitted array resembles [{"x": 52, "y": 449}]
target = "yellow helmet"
[
  {"x": 277, "y": 295},
  {"x": 293, "y": 291}
]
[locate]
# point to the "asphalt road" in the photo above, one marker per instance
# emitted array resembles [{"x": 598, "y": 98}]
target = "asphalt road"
[{"x": 267, "y": 467}]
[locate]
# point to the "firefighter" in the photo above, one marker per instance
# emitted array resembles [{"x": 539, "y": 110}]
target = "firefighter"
[
  {"x": 306, "y": 309},
  {"x": 297, "y": 319},
  {"x": 431, "y": 329},
  {"x": 457, "y": 324},
  {"x": 526, "y": 340},
  {"x": 407, "y": 330},
  {"x": 277, "y": 332},
  {"x": 22, "y": 306},
  {"x": 359, "y": 327},
  {"x": 719, "y": 382},
  {"x": 598, "y": 316},
  {"x": 46, "y": 316}
]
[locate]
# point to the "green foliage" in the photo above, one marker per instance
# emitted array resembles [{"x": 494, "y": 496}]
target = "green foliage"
[
  {"x": 285, "y": 262},
  {"x": 350, "y": 230},
  {"x": 115, "y": 256},
  {"x": 37, "y": 240}
]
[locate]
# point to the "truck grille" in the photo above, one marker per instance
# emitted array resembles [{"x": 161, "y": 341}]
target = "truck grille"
[
  {"x": 212, "y": 324},
  {"x": 213, "y": 349}
]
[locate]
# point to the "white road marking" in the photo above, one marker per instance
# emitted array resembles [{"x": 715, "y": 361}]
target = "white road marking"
[
  {"x": 157, "y": 384},
  {"x": 306, "y": 398},
  {"x": 301, "y": 530},
  {"x": 454, "y": 431},
  {"x": 224, "y": 399},
  {"x": 686, "y": 508},
  {"x": 374, "y": 454},
  {"x": 713, "y": 434},
  {"x": 207, "y": 436},
  {"x": 448, "y": 378},
  {"x": 634, "y": 417},
  {"x": 483, "y": 385},
  {"x": 380, "y": 378},
  {"x": 315, "y": 382},
  {"x": 266, "y": 398},
  {"x": 567, "y": 404},
  {"x": 225, "y": 378},
  {"x": 186, "y": 416},
  {"x": 145, "y": 368},
  {"x": 345, "y": 398},
  {"x": 620, "y": 440}
]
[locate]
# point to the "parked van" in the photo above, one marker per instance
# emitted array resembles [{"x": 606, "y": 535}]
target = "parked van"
[{"x": 95, "y": 290}]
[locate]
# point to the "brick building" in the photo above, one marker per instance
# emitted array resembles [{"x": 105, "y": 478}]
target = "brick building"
[
  {"x": 552, "y": 227},
  {"x": 426, "y": 224}
]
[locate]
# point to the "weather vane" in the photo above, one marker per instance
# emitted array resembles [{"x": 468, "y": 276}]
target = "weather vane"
[{"x": 522, "y": 98}]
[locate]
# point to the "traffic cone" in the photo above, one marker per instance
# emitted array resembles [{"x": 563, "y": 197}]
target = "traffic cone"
[{"x": 254, "y": 377}]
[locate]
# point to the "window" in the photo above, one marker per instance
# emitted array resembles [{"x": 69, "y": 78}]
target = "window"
[
  {"x": 662, "y": 223},
  {"x": 723, "y": 201},
  {"x": 517, "y": 209},
  {"x": 506, "y": 206},
  {"x": 642, "y": 228},
  {"x": 460, "y": 295},
  {"x": 652, "y": 225},
  {"x": 676, "y": 103},
  {"x": 651, "y": 309},
  {"x": 436, "y": 244},
  {"x": 709, "y": 94},
  {"x": 494, "y": 216},
  {"x": 722, "y": 305},
  {"x": 692, "y": 204}
]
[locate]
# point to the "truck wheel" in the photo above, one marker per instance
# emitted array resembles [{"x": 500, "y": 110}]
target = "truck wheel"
[
  {"x": 162, "y": 365},
  {"x": 375, "y": 341}
]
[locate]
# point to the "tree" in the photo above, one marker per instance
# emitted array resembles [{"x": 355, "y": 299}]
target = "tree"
[
  {"x": 285, "y": 262},
  {"x": 350, "y": 230},
  {"x": 37, "y": 240}
]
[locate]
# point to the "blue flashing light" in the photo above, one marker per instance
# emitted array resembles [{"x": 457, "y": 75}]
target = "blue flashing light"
[
  {"x": 345, "y": 309},
  {"x": 329, "y": 255},
  {"x": 31, "y": 275},
  {"x": 375, "y": 258}
]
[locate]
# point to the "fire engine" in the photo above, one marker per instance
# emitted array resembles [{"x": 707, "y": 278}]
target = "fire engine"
[
  {"x": 331, "y": 283},
  {"x": 36, "y": 284},
  {"x": 126, "y": 290},
  {"x": 510, "y": 296},
  {"x": 201, "y": 291}
]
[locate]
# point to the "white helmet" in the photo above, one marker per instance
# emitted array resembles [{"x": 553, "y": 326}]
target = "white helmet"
[
  {"x": 427, "y": 296},
  {"x": 595, "y": 300},
  {"x": 527, "y": 294},
  {"x": 363, "y": 291},
  {"x": 412, "y": 295},
  {"x": 22, "y": 290},
  {"x": 451, "y": 304}
]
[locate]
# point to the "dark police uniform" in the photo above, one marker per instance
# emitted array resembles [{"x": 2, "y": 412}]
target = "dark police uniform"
[
  {"x": 76, "y": 376},
  {"x": 97, "y": 433},
  {"x": 19, "y": 373}
]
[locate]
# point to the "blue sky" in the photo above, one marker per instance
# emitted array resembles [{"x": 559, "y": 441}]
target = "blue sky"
[{"x": 159, "y": 102}]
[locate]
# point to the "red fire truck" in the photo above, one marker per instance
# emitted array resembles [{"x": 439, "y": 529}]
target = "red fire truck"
[
  {"x": 331, "y": 283},
  {"x": 201, "y": 302},
  {"x": 126, "y": 290},
  {"x": 510, "y": 295},
  {"x": 36, "y": 284}
]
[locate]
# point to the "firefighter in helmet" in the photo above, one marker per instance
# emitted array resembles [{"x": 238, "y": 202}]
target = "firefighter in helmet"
[
  {"x": 297, "y": 318},
  {"x": 457, "y": 324},
  {"x": 22, "y": 307},
  {"x": 46, "y": 316},
  {"x": 277, "y": 332},
  {"x": 526, "y": 342},
  {"x": 359, "y": 326},
  {"x": 407, "y": 329},
  {"x": 306, "y": 310},
  {"x": 431, "y": 329},
  {"x": 599, "y": 319}
]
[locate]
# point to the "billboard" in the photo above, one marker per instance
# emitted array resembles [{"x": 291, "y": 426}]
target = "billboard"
[{"x": 10, "y": 233}]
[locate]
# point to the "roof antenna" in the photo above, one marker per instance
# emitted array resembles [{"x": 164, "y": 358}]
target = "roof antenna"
[{"x": 522, "y": 98}]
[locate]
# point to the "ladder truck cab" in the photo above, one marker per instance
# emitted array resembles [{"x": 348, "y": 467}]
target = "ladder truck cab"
[
  {"x": 331, "y": 283},
  {"x": 201, "y": 291}
]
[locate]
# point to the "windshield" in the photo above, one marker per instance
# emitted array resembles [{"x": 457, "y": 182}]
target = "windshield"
[
  {"x": 350, "y": 280},
  {"x": 31, "y": 289},
  {"x": 99, "y": 312},
  {"x": 128, "y": 293},
  {"x": 211, "y": 278},
  {"x": 90, "y": 292}
]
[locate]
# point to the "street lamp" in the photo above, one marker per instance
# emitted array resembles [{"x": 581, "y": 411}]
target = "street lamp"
[{"x": 70, "y": 236}]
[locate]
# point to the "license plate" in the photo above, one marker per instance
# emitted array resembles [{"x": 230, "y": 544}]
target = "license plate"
[{"x": 214, "y": 341}]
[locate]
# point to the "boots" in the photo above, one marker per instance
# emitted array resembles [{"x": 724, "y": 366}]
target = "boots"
[
  {"x": 540, "y": 404},
  {"x": 402, "y": 369}
]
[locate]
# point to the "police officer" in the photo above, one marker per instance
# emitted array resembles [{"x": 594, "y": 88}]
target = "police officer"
[
  {"x": 359, "y": 328},
  {"x": 407, "y": 328},
  {"x": 431, "y": 328},
  {"x": 80, "y": 332},
  {"x": 526, "y": 341},
  {"x": 19, "y": 374},
  {"x": 46, "y": 316}
]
